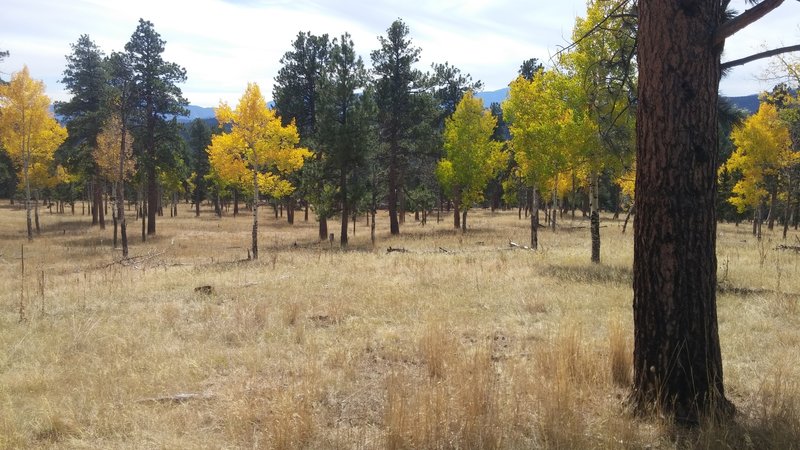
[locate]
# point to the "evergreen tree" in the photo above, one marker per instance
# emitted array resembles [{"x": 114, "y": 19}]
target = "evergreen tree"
[
  {"x": 199, "y": 138},
  {"x": 296, "y": 94},
  {"x": 401, "y": 108},
  {"x": 344, "y": 122},
  {"x": 158, "y": 101},
  {"x": 85, "y": 78}
]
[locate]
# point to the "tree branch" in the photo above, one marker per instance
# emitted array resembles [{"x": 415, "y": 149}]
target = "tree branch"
[
  {"x": 744, "y": 19},
  {"x": 762, "y": 55}
]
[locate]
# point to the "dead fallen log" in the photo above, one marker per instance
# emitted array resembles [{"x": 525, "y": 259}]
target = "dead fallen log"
[
  {"x": 515, "y": 245},
  {"x": 177, "y": 398},
  {"x": 794, "y": 248},
  {"x": 398, "y": 250}
]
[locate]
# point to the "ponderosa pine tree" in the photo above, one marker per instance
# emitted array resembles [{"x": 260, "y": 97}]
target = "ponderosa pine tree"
[
  {"x": 344, "y": 117},
  {"x": 296, "y": 94},
  {"x": 158, "y": 100},
  {"x": 85, "y": 78},
  {"x": 198, "y": 141},
  {"x": 677, "y": 359},
  {"x": 399, "y": 112}
]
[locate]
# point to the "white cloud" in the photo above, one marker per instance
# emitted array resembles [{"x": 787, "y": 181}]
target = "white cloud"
[{"x": 225, "y": 44}]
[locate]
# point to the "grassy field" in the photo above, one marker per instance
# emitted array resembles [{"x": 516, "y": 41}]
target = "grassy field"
[{"x": 478, "y": 346}]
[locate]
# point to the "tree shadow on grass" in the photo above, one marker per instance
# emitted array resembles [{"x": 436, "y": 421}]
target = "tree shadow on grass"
[{"x": 590, "y": 273}]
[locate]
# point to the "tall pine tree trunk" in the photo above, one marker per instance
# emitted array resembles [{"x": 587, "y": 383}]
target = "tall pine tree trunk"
[
  {"x": 323, "y": 228},
  {"x": 92, "y": 195},
  {"x": 152, "y": 199},
  {"x": 677, "y": 360},
  {"x": 394, "y": 224},
  {"x": 345, "y": 211}
]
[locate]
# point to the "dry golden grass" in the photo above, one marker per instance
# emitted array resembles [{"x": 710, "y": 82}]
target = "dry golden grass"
[{"x": 478, "y": 347}]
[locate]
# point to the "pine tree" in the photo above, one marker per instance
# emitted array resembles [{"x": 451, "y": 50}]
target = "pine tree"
[{"x": 158, "y": 101}]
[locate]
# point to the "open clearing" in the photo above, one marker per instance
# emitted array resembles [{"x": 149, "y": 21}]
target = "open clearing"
[{"x": 460, "y": 342}]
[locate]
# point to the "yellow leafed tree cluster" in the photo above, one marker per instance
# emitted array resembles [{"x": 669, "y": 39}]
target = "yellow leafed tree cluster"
[
  {"x": 30, "y": 135},
  {"x": 472, "y": 158},
  {"x": 763, "y": 148},
  {"x": 258, "y": 148}
]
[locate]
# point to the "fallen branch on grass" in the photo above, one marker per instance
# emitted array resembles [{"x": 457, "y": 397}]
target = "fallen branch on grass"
[
  {"x": 134, "y": 261},
  {"x": 177, "y": 398},
  {"x": 398, "y": 250},
  {"x": 794, "y": 248},
  {"x": 515, "y": 245}
]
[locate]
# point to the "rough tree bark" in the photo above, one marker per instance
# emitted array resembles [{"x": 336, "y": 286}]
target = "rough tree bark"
[{"x": 677, "y": 360}]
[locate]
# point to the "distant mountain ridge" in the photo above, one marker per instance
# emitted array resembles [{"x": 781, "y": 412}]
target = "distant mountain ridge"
[{"x": 748, "y": 103}]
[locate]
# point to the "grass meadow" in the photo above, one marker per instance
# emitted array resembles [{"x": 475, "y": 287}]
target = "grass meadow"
[{"x": 462, "y": 342}]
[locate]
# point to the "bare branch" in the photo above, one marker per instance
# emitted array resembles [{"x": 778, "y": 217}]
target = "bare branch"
[
  {"x": 762, "y": 55},
  {"x": 744, "y": 19}
]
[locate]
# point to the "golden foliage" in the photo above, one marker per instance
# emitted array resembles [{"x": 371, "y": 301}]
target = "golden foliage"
[{"x": 257, "y": 144}]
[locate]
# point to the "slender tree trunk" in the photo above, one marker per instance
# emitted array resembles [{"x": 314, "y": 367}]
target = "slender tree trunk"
[
  {"x": 394, "y": 224},
  {"x": 401, "y": 207},
  {"x": 255, "y": 213},
  {"x": 456, "y": 214},
  {"x": 628, "y": 216},
  {"x": 677, "y": 359},
  {"x": 758, "y": 221},
  {"x": 36, "y": 212},
  {"x": 439, "y": 209},
  {"x": 123, "y": 228},
  {"x": 152, "y": 199},
  {"x": 788, "y": 208},
  {"x": 114, "y": 210},
  {"x": 305, "y": 213},
  {"x": 92, "y": 194},
  {"x": 594, "y": 188},
  {"x": 25, "y": 174},
  {"x": 464, "y": 220},
  {"x": 98, "y": 201},
  {"x": 235, "y": 202},
  {"x": 773, "y": 194},
  {"x": 555, "y": 204},
  {"x": 323, "y": 228},
  {"x": 534, "y": 220},
  {"x": 345, "y": 210},
  {"x": 145, "y": 208}
]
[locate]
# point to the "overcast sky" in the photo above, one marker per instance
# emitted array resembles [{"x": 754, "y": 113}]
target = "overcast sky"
[{"x": 223, "y": 44}]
